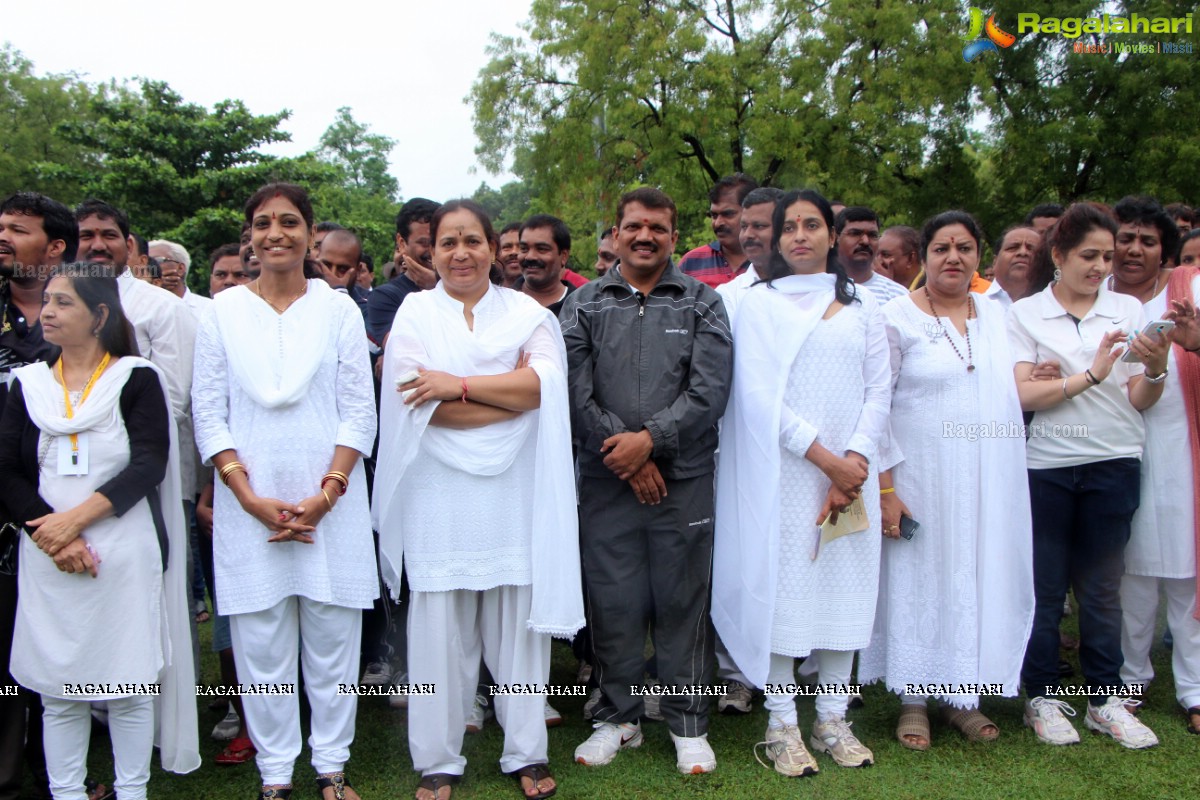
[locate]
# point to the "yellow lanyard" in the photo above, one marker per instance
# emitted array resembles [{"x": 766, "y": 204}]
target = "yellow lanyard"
[{"x": 87, "y": 389}]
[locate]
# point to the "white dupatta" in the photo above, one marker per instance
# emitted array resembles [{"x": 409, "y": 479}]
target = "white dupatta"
[
  {"x": 771, "y": 329},
  {"x": 276, "y": 375},
  {"x": 1005, "y": 540},
  {"x": 429, "y": 331},
  {"x": 175, "y": 722}
]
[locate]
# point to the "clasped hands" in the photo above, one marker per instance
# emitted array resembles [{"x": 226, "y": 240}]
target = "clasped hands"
[
  {"x": 57, "y": 534},
  {"x": 290, "y": 522},
  {"x": 628, "y": 456},
  {"x": 847, "y": 474}
]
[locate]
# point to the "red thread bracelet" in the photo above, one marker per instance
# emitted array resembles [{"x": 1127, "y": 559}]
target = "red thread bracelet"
[{"x": 464, "y": 394}]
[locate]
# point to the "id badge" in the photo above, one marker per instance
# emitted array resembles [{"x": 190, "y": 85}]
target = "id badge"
[{"x": 71, "y": 461}]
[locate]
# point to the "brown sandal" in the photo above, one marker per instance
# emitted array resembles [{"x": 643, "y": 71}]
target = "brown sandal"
[
  {"x": 914, "y": 721},
  {"x": 1192, "y": 715},
  {"x": 536, "y": 773},
  {"x": 970, "y": 722},
  {"x": 436, "y": 781}
]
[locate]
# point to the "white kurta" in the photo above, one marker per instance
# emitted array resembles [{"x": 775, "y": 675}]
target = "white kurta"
[
  {"x": 114, "y": 630},
  {"x": 287, "y": 448},
  {"x": 1162, "y": 544},
  {"x": 955, "y": 601},
  {"x": 829, "y": 603}
]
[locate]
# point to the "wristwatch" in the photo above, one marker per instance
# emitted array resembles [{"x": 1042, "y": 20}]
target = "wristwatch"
[{"x": 1158, "y": 378}]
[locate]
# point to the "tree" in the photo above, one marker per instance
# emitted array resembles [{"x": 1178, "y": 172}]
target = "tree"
[
  {"x": 361, "y": 155},
  {"x": 860, "y": 100},
  {"x": 31, "y": 108},
  {"x": 509, "y": 203}
]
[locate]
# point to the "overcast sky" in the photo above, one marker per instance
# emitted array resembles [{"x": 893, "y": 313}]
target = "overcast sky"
[{"x": 403, "y": 67}]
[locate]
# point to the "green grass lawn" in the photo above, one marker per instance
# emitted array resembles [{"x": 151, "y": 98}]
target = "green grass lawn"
[{"x": 1015, "y": 766}]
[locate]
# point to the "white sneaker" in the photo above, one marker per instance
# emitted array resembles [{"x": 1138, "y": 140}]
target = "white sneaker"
[
  {"x": 835, "y": 738},
  {"x": 652, "y": 703},
  {"x": 589, "y": 708},
  {"x": 377, "y": 673},
  {"x": 478, "y": 714},
  {"x": 1114, "y": 719},
  {"x": 738, "y": 700},
  {"x": 227, "y": 729},
  {"x": 785, "y": 747},
  {"x": 693, "y": 754},
  {"x": 606, "y": 741},
  {"x": 1045, "y": 716},
  {"x": 553, "y": 718}
]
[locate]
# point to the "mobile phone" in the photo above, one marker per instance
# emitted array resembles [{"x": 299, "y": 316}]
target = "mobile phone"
[
  {"x": 908, "y": 526},
  {"x": 1159, "y": 328}
]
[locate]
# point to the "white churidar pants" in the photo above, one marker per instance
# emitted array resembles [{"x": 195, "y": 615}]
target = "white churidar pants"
[
  {"x": 265, "y": 647},
  {"x": 447, "y": 631},
  {"x": 68, "y": 727},
  {"x": 1139, "y": 610},
  {"x": 833, "y": 668}
]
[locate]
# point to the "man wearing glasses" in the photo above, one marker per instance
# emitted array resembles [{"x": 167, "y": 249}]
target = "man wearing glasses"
[{"x": 723, "y": 260}]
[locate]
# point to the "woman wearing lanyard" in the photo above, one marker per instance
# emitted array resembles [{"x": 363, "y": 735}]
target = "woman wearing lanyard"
[
  {"x": 87, "y": 457},
  {"x": 1084, "y": 453}
]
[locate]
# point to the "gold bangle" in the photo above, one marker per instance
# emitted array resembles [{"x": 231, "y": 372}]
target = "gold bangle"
[
  {"x": 341, "y": 476},
  {"x": 889, "y": 490},
  {"x": 328, "y": 502},
  {"x": 234, "y": 466}
]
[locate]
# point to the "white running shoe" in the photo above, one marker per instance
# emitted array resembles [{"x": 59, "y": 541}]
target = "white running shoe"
[
  {"x": 606, "y": 741},
  {"x": 785, "y": 747},
  {"x": 693, "y": 754},
  {"x": 835, "y": 738},
  {"x": 1046, "y": 716},
  {"x": 377, "y": 673},
  {"x": 738, "y": 700},
  {"x": 1115, "y": 719}
]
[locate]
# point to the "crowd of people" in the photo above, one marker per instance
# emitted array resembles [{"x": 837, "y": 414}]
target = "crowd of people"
[{"x": 807, "y": 444}]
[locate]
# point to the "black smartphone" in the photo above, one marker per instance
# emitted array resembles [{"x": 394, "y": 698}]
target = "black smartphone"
[{"x": 908, "y": 526}]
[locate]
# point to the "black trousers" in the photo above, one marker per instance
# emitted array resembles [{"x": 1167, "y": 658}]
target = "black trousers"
[{"x": 650, "y": 565}]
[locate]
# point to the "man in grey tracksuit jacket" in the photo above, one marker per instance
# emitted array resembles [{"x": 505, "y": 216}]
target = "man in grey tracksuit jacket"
[{"x": 650, "y": 370}]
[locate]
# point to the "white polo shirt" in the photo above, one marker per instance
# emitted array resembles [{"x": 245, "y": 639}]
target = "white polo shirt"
[
  {"x": 1100, "y": 423},
  {"x": 996, "y": 292}
]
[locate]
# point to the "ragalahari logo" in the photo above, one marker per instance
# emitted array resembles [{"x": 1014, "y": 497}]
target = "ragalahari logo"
[{"x": 977, "y": 44}]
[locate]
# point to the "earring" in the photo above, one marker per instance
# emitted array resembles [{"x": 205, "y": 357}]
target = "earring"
[{"x": 1057, "y": 274}]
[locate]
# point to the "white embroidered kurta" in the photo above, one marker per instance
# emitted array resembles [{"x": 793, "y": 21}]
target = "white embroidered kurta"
[
  {"x": 287, "y": 448},
  {"x": 1162, "y": 544},
  {"x": 955, "y": 601},
  {"x": 829, "y": 603}
]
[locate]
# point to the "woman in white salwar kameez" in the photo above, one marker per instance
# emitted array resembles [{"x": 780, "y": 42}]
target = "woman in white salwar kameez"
[
  {"x": 809, "y": 408},
  {"x": 955, "y": 600},
  {"x": 284, "y": 408},
  {"x": 89, "y": 459},
  {"x": 475, "y": 496}
]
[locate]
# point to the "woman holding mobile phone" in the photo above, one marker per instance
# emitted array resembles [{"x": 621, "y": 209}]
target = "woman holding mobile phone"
[
  {"x": 956, "y": 600},
  {"x": 1084, "y": 455}
]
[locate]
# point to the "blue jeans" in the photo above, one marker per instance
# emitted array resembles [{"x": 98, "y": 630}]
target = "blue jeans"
[{"x": 1081, "y": 524}]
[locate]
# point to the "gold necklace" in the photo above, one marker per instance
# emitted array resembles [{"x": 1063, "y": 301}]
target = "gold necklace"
[{"x": 278, "y": 310}]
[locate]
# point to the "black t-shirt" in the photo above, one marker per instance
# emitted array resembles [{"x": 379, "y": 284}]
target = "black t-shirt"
[{"x": 21, "y": 340}]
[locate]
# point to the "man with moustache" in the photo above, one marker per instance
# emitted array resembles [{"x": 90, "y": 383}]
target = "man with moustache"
[
  {"x": 414, "y": 249},
  {"x": 36, "y": 234},
  {"x": 545, "y": 245},
  {"x": 754, "y": 236},
  {"x": 721, "y": 261},
  {"x": 225, "y": 269},
  {"x": 899, "y": 256},
  {"x": 510, "y": 255},
  {"x": 1012, "y": 267},
  {"x": 649, "y": 358},
  {"x": 250, "y": 262},
  {"x": 857, "y": 230}
]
